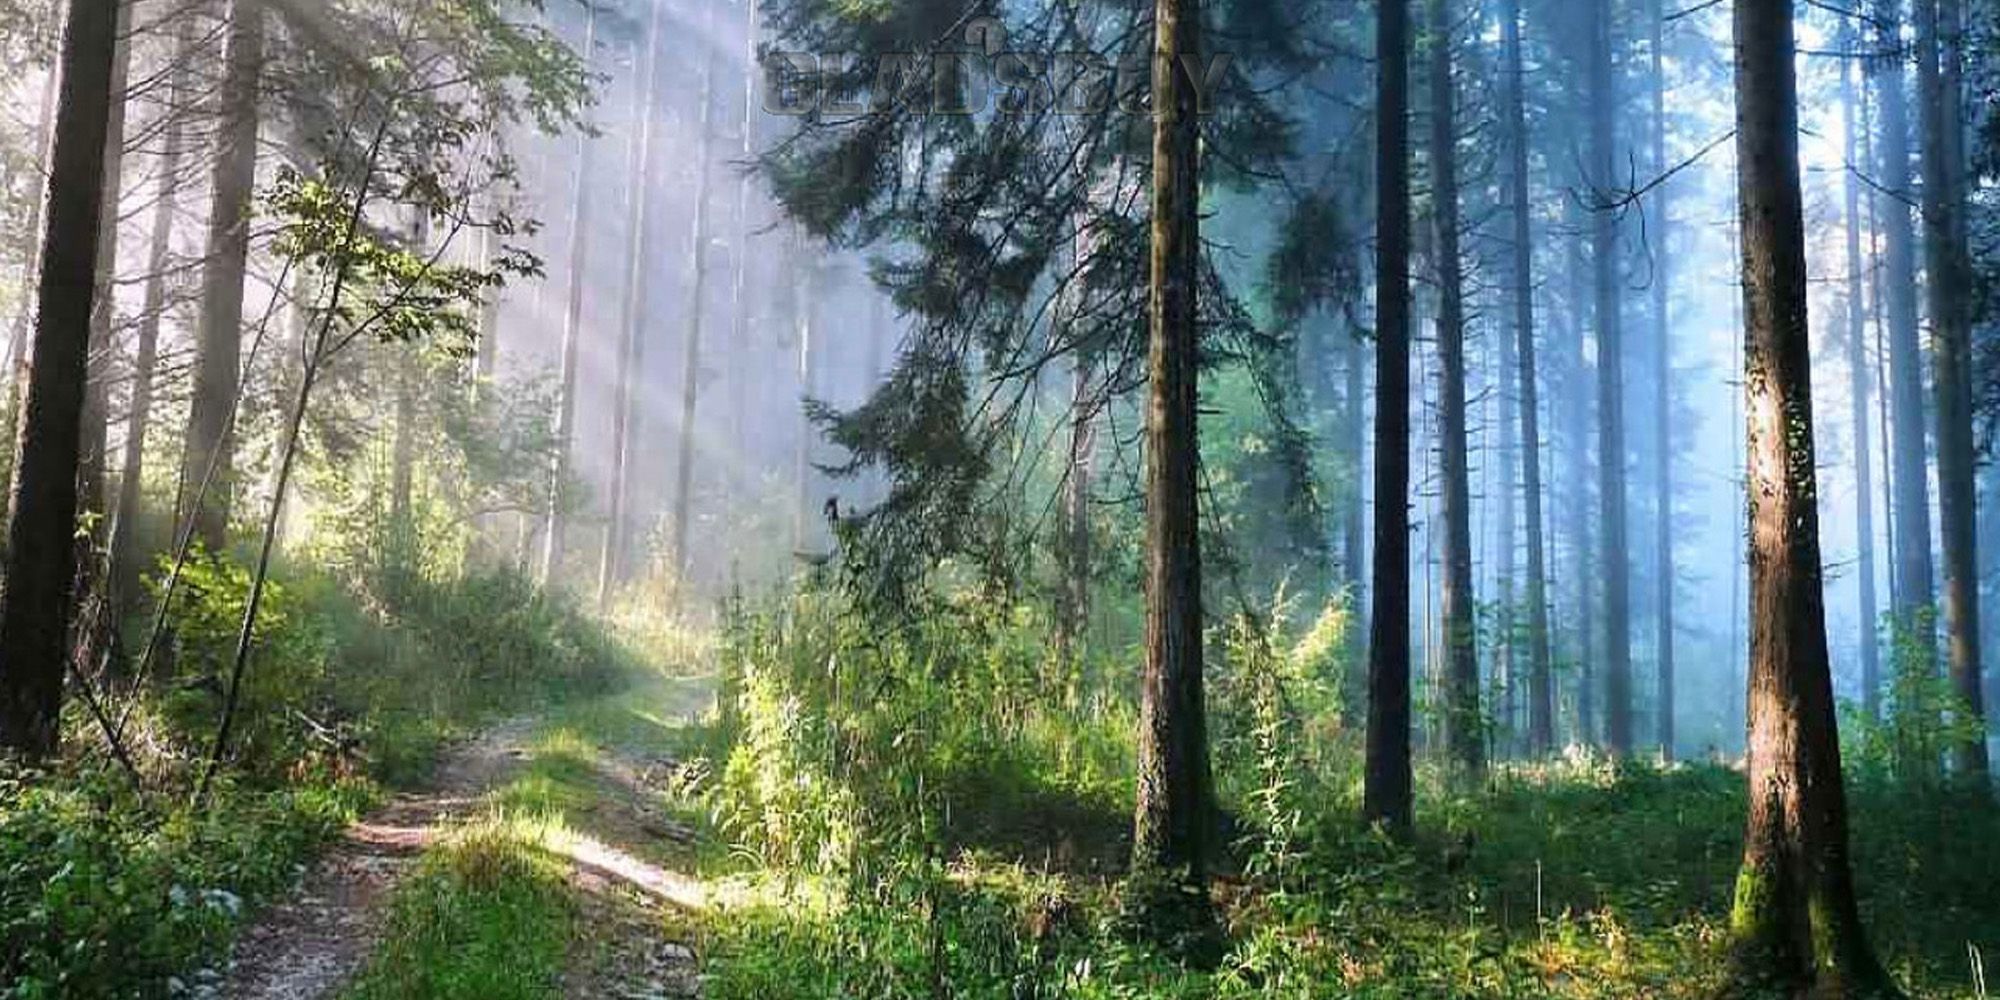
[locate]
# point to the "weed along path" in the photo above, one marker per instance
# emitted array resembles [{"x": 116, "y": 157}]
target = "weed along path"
[{"x": 542, "y": 862}]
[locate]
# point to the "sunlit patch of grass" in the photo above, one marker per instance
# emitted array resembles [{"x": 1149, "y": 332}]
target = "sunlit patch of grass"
[{"x": 486, "y": 917}]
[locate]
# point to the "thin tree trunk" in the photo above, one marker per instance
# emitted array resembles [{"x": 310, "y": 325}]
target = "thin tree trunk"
[
  {"x": 697, "y": 312},
  {"x": 1076, "y": 555},
  {"x": 1615, "y": 558},
  {"x": 631, "y": 354},
  {"x": 127, "y": 562},
  {"x": 41, "y": 552},
  {"x": 219, "y": 339},
  {"x": 1541, "y": 686},
  {"x": 1466, "y": 744},
  {"x": 1578, "y": 387},
  {"x": 1906, "y": 381},
  {"x": 555, "y": 526},
  {"x": 24, "y": 319},
  {"x": 1386, "y": 794},
  {"x": 1663, "y": 415},
  {"x": 1940, "y": 80},
  {"x": 1795, "y": 926},
  {"x": 1170, "y": 833},
  {"x": 1857, "y": 367}
]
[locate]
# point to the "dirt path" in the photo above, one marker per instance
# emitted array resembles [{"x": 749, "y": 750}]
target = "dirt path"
[{"x": 307, "y": 946}]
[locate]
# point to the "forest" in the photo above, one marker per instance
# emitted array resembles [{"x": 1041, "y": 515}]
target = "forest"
[{"x": 999, "y": 499}]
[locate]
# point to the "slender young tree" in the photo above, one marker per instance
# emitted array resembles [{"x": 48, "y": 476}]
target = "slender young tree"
[
  {"x": 1541, "y": 682},
  {"x": 1940, "y": 82},
  {"x": 1463, "y": 723},
  {"x": 209, "y": 457},
  {"x": 1795, "y": 927},
  {"x": 1170, "y": 831},
  {"x": 104, "y": 304},
  {"x": 1387, "y": 783},
  {"x": 40, "y": 559}
]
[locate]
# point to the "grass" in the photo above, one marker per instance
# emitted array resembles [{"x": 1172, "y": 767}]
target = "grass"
[{"x": 488, "y": 916}]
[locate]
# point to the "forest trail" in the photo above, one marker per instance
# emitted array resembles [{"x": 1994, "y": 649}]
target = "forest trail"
[
  {"x": 307, "y": 946},
  {"x": 594, "y": 788}
]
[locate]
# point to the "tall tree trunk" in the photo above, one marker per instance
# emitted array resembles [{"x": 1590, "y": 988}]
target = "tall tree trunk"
[
  {"x": 807, "y": 276},
  {"x": 1795, "y": 926},
  {"x": 31, "y": 251},
  {"x": 1170, "y": 830},
  {"x": 1615, "y": 559},
  {"x": 1541, "y": 683},
  {"x": 1910, "y": 479},
  {"x": 631, "y": 352},
  {"x": 1075, "y": 603},
  {"x": 1940, "y": 81},
  {"x": 1663, "y": 385},
  {"x": 1386, "y": 790},
  {"x": 697, "y": 312},
  {"x": 104, "y": 305},
  {"x": 555, "y": 528},
  {"x": 1465, "y": 741},
  {"x": 1857, "y": 367},
  {"x": 127, "y": 562},
  {"x": 41, "y": 526},
  {"x": 219, "y": 338},
  {"x": 1578, "y": 387}
]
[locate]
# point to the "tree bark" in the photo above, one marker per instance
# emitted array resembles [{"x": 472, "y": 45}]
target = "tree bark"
[
  {"x": 1465, "y": 739},
  {"x": 1170, "y": 834},
  {"x": 104, "y": 306},
  {"x": 1386, "y": 792},
  {"x": 1663, "y": 372},
  {"x": 1795, "y": 928},
  {"x": 1940, "y": 79},
  {"x": 41, "y": 551},
  {"x": 219, "y": 339}
]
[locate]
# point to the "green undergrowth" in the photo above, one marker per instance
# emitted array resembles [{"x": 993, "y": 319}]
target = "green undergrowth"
[
  {"x": 850, "y": 760},
  {"x": 354, "y": 686}
]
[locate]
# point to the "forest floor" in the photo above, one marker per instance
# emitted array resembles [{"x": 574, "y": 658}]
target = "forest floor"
[{"x": 422, "y": 897}]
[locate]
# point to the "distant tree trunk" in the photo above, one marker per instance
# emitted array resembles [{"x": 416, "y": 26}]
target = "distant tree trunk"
[
  {"x": 1795, "y": 926},
  {"x": 805, "y": 331},
  {"x": 1354, "y": 437},
  {"x": 1615, "y": 557},
  {"x": 1075, "y": 602},
  {"x": 555, "y": 529},
  {"x": 1857, "y": 367},
  {"x": 31, "y": 246},
  {"x": 1466, "y": 744},
  {"x": 41, "y": 526},
  {"x": 1541, "y": 684},
  {"x": 1940, "y": 81},
  {"x": 737, "y": 371},
  {"x": 1578, "y": 387},
  {"x": 127, "y": 562},
  {"x": 219, "y": 338},
  {"x": 697, "y": 312},
  {"x": 1387, "y": 784},
  {"x": 1663, "y": 385},
  {"x": 1170, "y": 834},
  {"x": 1910, "y": 479},
  {"x": 631, "y": 354}
]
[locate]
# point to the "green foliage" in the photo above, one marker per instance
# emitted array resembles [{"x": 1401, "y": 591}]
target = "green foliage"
[
  {"x": 100, "y": 897},
  {"x": 1922, "y": 718}
]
